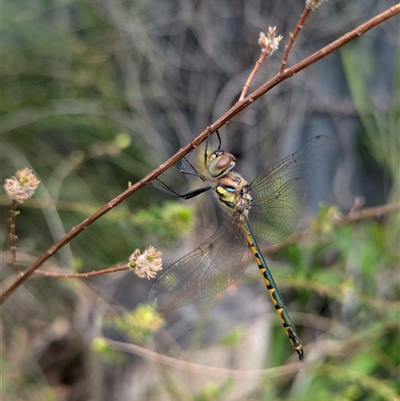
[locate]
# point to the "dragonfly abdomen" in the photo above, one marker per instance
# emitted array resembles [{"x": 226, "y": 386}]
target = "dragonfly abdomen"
[{"x": 274, "y": 294}]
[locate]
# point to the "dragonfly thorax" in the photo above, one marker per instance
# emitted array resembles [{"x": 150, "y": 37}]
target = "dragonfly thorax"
[
  {"x": 220, "y": 163},
  {"x": 232, "y": 191}
]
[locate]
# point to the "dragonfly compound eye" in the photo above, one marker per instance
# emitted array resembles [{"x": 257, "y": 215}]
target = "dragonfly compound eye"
[{"x": 222, "y": 163}]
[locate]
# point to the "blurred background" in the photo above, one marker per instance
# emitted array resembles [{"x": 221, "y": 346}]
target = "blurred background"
[{"x": 96, "y": 94}]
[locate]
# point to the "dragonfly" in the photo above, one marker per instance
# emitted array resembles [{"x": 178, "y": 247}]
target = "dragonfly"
[{"x": 263, "y": 211}]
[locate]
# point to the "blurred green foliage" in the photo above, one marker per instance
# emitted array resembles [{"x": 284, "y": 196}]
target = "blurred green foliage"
[
  {"x": 100, "y": 346},
  {"x": 139, "y": 325},
  {"x": 382, "y": 137}
]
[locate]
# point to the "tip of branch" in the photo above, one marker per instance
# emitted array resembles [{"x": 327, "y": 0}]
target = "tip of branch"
[{"x": 269, "y": 41}]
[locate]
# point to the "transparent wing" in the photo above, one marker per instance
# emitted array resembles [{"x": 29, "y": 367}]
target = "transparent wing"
[
  {"x": 278, "y": 195},
  {"x": 210, "y": 268}
]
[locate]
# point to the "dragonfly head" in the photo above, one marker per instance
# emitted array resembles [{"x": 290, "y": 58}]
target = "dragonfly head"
[{"x": 220, "y": 162}]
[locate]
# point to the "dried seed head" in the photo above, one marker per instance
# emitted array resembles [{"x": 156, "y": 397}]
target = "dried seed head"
[
  {"x": 314, "y": 4},
  {"x": 269, "y": 42},
  {"x": 22, "y": 186},
  {"x": 146, "y": 264}
]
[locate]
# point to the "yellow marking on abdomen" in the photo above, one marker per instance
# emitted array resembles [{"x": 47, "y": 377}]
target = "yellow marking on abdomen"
[
  {"x": 273, "y": 299},
  {"x": 279, "y": 312}
]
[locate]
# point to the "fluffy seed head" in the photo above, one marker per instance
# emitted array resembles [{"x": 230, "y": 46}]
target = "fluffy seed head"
[
  {"x": 269, "y": 41},
  {"x": 314, "y": 4},
  {"x": 146, "y": 265},
  {"x": 22, "y": 186}
]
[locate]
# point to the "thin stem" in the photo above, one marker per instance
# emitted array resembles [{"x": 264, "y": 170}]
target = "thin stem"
[
  {"x": 83, "y": 275},
  {"x": 284, "y": 370},
  {"x": 293, "y": 37},
  {"x": 257, "y": 66},
  {"x": 13, "y": 237},
  {"x": 239, "y": 106}
]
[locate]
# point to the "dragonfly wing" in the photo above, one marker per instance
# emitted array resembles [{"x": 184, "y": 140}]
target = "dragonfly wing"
[
  {"x": 278, "y": 195},
  {"x": 210, "y": 268}
]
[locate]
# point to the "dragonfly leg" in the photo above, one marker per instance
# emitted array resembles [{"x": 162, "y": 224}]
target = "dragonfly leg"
[
  {"x": 191, "y": 194},
  {"x": 182, "y": 170},
  {"x": 194, "y": 172},
  {"x": 206, "y": 149},
  {"x": 187, "y": 195}
]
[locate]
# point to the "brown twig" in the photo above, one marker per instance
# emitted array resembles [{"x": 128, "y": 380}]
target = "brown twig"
[
  {"x": 239, "y": 106},
  {"x": 13, "y": 237},
  {"x": 93, "y": 273},
  {"x": 357, "y": 205},
  {"x": 293, "y": 37},
  {"x": 251, "y": 76},
  {"x": 269, "y": 43}
]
